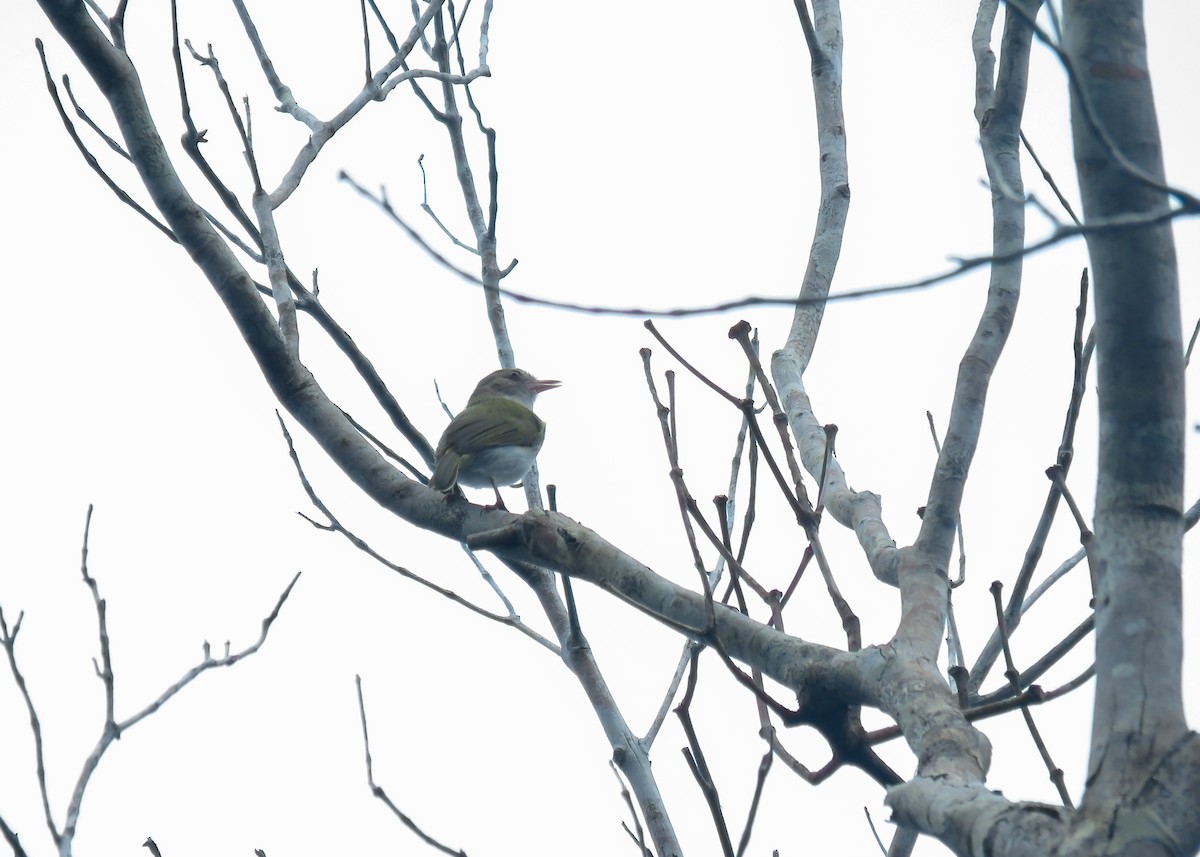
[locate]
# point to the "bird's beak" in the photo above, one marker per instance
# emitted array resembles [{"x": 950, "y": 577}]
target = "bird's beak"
[{"x": 543, "y": 386}]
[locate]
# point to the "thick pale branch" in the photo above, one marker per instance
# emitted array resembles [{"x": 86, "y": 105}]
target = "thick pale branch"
[
  {"x": 1000, "y": 122},
  {"x": 1139, "y": 348},
  {"x": 953, "y": 804},
  {"x": 555, "y": 541},
  {"x": 824, "y": 37},
  {"x": 860, "y": 511},
  {"x": 972, "y": 819}
]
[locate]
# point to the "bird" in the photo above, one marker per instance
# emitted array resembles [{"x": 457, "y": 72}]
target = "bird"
[{"x": 495, "y": 438}]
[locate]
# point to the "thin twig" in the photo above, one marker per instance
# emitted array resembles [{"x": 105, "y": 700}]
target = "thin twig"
[
  {"x": 1056, "y": 773},
  {"x": 1086, "y": 537},
  {"x": 378, "y": 790},
  {"x": 8, "y": 639},
  {"x": 663, "y": 412},
  {"x": 1056, "y": 653},
  {"x": 638, "y": 835},
  {"x": 874, "y": 832},
  {"x": 760, "y": 780},
  {"x": 1062, "y": 200},
  {"x": 88, "y": 157},
  {"x": 963, "y": 265},
  {"x": 1017, "y": 603},
  {"x": 512, "y": 619},
  {"x": 696, "y": 762}
]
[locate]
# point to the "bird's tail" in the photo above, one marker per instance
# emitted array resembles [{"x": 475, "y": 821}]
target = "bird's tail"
[{"x": 445, "y": 474}]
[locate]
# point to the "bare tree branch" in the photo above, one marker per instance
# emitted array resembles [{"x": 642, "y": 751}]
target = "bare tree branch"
[
  {"x": 378, "y": 791},
  {"x": 112, "y": 728}
]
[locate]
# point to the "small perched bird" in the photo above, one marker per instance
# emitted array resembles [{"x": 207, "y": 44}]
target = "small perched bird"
[{"x": 495, "y": 438}]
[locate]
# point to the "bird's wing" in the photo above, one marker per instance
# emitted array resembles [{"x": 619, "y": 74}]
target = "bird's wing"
[{"x": 509, "y": 424}]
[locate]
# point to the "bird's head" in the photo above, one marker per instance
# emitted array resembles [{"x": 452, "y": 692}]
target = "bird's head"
[{"x": 515, "y": 384}]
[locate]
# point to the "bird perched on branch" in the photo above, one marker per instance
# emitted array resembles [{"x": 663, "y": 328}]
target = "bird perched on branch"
[{"x": 495, "y": 438}]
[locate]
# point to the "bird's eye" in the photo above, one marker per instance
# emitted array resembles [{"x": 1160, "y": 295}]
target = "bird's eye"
[{"x": 516, "y": 376}]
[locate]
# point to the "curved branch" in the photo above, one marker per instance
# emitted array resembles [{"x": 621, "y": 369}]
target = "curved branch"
[{"x": 860, "y": 511}]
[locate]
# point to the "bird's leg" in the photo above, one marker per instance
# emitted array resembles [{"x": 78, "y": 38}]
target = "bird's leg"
[{"x": 499, "y": 500}]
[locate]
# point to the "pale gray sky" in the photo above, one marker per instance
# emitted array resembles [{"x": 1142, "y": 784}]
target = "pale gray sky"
[{"x": 665, "y": 158}]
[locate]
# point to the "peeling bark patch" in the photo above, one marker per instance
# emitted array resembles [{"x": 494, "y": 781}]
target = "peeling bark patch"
[{"x": 1118, "y": 71}]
